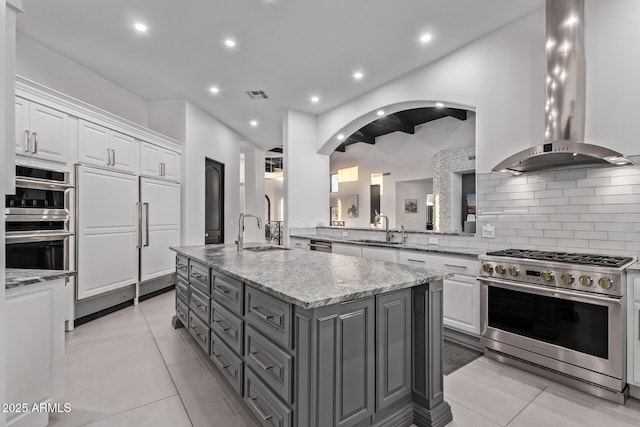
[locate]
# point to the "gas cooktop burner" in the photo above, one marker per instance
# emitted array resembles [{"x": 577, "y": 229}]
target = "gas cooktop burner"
[{"x": 569, "y": 258}]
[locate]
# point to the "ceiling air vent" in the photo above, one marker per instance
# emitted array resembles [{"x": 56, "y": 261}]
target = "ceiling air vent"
[{"x": 257, "y": 94}]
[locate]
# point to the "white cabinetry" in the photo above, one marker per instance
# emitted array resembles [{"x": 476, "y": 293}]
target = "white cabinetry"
[
  {"x": 107, "y": 231},
  {"x": 633, "y": 332},
  {"x": 381, "y": 254},
  {"x": 100, "y": 146},
  {"x": 40, "y": 132},
  {"x": 156, "y": 161},
  {"x": 299, "y": 243},
  {"x": 34, "y": 349},
  {"x": 350, "y": 250},
  {"x": 161, "y": 221}
]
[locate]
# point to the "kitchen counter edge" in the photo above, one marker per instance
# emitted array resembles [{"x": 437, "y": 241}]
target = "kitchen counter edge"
[{"x": 15, "y": 277}]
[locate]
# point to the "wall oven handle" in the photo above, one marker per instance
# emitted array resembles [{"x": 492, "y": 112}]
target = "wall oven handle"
[
  {"x": 37, "y": 184},
  {"x": 147, "y": 224},
  {"x": 552, "y": 292},
  {"x": 39, "y": 237}
]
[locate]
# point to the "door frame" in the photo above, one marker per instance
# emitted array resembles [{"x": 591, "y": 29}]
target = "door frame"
[{"x": 222, "y": 180}]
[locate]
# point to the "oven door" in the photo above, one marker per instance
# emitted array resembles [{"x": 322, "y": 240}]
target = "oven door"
[
  {"x": 42, "y": 251},
  {"x": 584, "y": 330}
]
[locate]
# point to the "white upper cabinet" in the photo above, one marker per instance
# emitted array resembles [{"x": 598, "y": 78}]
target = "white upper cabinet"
[
  {"x": 41, "y": 132},
  {"x": 100, "y": 146},
  {"x": 156, "y": 161}
]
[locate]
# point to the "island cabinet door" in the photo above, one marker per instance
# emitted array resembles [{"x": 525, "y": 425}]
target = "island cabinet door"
[
  {"x": 337, "y": 386},
  {"x": 393, "y": 335}
]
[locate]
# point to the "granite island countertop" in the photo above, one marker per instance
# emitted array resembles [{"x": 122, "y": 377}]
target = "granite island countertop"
[
  {"x": 310, "y": 279},
  {"x": 453, "y": 250},
  {"x": 15, "y": 277}
]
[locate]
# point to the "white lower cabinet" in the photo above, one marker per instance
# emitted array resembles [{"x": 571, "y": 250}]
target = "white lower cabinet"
[
  {"x": 462, "y": 304},
  {"x": 350, "y": 250},
  {"x": 299, "y": 243},
  {"x": 34, "y": 349},
  {"x": 107, "y": 231},
  {"x": 633, "y": 332},
  {"x": 381, "y": 254}
]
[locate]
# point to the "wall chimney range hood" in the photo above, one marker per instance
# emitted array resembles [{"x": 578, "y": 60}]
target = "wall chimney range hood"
[{"x": 565, "y": 103}]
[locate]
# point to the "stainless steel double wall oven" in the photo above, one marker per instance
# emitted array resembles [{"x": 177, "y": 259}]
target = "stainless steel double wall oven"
[
  {"x": 37, "y": 220},
  {"x": 561, "y": 315}
]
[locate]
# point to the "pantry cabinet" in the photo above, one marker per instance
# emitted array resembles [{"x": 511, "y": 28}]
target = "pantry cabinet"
[
  {"x": 100, "y": 146},
  {"x": 633, "y": 332},
  {"x": 41, "y": 132},
  {"x": 156, "y": 161}
]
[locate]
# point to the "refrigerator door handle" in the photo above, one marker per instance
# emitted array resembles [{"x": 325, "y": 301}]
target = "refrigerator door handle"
[
  {"x": 147, "y": 223},
  {"x": 139, "y": 209}
]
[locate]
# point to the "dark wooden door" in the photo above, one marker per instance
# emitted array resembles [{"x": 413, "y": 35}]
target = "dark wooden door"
[{"x": 214, "y": 202}]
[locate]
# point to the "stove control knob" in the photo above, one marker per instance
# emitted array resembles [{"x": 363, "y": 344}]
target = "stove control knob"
[
  {"x": 513, "y": 271},
  {"x": 586, "y": 280},
  {"x": 567, "y": 278},
  {"x": 487, "y": 268},
  {"x": 547, "y": 276},
  {"x": 500, "y": 269},
  {"x": 605, "y": 283}
]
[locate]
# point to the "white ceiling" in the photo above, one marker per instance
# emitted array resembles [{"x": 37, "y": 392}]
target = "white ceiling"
[{"x": 289, "y": 48}]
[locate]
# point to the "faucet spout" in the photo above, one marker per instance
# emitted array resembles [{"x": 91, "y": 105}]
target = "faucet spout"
[
  {"x": 240, "y": 241},
  {"x": 386, "y": 225}
]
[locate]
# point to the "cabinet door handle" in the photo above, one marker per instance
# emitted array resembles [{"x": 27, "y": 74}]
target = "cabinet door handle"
[
  {"x": 139, "y": 208},
  {"x": 108, "y": 157},
  {"x": 222, "y": 289},
  {"x": 221, "y": 359},
  {"x": 222, "y": 326},
  {"x": 26, "y": 141},
  {"x": 416, "y": 260},
  {"x": 456, "y": 266},
  {"x": 259, "y": 362},
  {"x": 113, "y": 158},
  {"x": 147, "y": 225},
  {"x": 265, "y": 417},
  {"x": 265, "y": 317},
  {"x": 35, "y": 143}
]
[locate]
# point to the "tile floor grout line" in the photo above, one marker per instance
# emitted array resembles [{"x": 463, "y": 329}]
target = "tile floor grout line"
[
  {"x": 167, "y": 367},
  {"x": 472, "y": 411},
  {"x": 126, "y": 410},
  {"x": 526, "y": 406}
]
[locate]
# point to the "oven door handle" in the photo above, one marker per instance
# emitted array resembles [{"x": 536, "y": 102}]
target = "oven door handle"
[
  {"x": 532, "y": 289},
  {"x": 37, "y": 184},
  {"x": 43, "y": 237}
]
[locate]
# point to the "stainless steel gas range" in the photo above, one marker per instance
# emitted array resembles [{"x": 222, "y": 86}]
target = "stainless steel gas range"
[{"x": 560, "y": 315}]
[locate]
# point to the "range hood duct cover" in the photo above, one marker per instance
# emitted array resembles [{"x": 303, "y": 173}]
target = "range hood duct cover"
[{"x": 564, "y": 145}]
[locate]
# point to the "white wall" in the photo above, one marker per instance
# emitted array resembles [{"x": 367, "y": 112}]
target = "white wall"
[
  {"x": 208, "y": 137},
  {"x": 169, "y": 118},
  {"x": 407, "y": 157},
  {"x": 306, "y": 184},
  {"x": 254, "y": 194},
  {"x": 412, "y": 190},
  {"x": 274, "y": 189},
  {"x": 4, "y": 78},
  {"x": 47, "y": 67}
]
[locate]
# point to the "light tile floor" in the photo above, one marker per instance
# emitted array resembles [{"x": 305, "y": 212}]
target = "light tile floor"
[{"x": 132, "y": 369}]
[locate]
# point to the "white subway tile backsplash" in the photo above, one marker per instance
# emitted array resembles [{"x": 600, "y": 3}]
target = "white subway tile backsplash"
[
  {"x": 591, "y": 235},
  {"x": 565, "y": 217},
  {"x": 514, "y": 180},
  {"x": 558, "y": 234},
  {"x": 633, "y": 208},
  {"x": 617, "y": 235},
  {"x": 518, "y": 188},
  {"x": 625, "y": 180},
  {"x": 573, "y": 243},
  {"x": 520, "y": 225},
  {"x": 600, "y": 172},
  {"x": 561, "y": 184},
  {"x": 587, "y": 200},
  {"x": 611, "y": 226},
  {"x": 543, "y": 241},
  {"x": 547, "y": 225},
  {"x": 618, "y": 189},
  {"x": 570, "y": 209},
  {"x": 584, "y": 226},
  {"x": 535, "y": 217},
  {"x": 530, "y": 233},
  {"x": 571, "y": 175},
  {"x": 627, "y": 198},
  {"x": 521, "y": 195},
  {"x": 556, "y": 201},
  {"x": 594, "y": 182},
  {"x": 547, "y": 194},
  {"x": 583, "y": 191},
  {"x": 606, "y": 244}
]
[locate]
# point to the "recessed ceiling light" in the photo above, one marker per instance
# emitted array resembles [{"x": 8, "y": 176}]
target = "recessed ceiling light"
[
  {"x": 380, "y": 112},
  {"x": 439, "y": 104},
  {"x": 140, "y": 27},
  {"x": 358, "y": 75},
  {"x": 230, "y": 43},
  {"x": 315, "y": 99},
  {"x": 425, "y": 38},
  {"x": 214, "y": 89},
  {"x": 340, "y": 137},
  {"x": 253, "y": 123}
]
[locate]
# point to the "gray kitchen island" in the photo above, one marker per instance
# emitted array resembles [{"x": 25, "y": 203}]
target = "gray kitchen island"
[{"x": 315, "y": 339}]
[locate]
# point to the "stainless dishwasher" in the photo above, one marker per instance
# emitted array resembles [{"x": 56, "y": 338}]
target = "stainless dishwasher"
[{"x": 320, "y": 246}]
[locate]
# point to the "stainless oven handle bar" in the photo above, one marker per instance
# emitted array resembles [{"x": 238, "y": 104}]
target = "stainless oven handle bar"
[
  {"x": 552, "y": 292},
  {"x": 25, "y": 238},
  {"x": 42, "y": 184}
]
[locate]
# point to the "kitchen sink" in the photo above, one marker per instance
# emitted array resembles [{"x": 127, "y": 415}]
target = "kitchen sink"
[
  {"x": 266, "y": 249},
  {"x": 377, "y": 241}
]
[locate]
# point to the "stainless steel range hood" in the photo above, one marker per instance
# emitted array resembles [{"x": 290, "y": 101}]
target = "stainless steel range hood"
[{"x": 565, "y": 105}]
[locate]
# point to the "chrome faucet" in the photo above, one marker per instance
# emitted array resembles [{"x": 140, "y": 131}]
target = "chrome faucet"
[
  {"x": 240, "y": 241},
  {"x": 404, "y": 235},
  {"x": 386, "y": 225}
]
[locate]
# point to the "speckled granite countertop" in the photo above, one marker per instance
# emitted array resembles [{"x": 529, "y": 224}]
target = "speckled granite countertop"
[
  {"x": 412, "y": 247},
  {"x": 15, "y": 277},
  {"x": 434, "y": 233},
  {"x": 310, "y": 279}
]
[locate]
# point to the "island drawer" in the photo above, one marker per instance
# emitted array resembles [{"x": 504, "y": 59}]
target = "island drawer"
[
  {"x": 228, "y": 326},
  {"x": 269, "y": 315},
  {"x": 228, "y": 362},
  {"x": 227, "y": 291},
  {"x": 262, "y": 402},
  {"x": 182, "y": 266},
  {"x": 182, "y": 312},
  {"x": 199, "y": 277},
  {"x": 199, "y": 304},
  {"x": 199, "y": 331},
  {"x": 182, "y": 289},
  {"x": 273, "y": 365}
]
